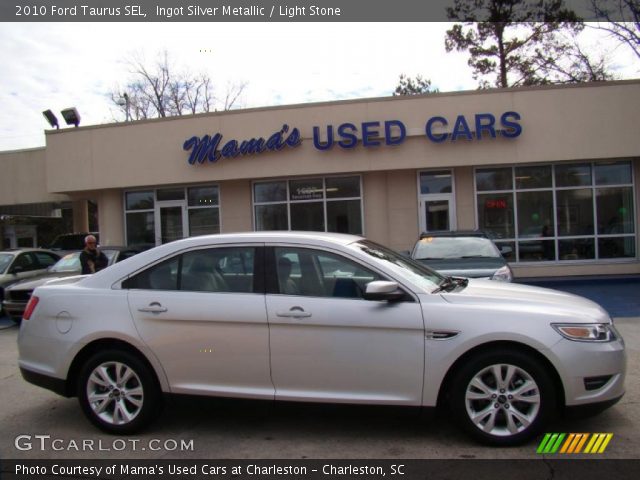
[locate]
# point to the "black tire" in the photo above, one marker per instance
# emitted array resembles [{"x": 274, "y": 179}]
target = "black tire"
[
  {"x": 127, "y": 407},
  {"x": 508, "y": 414}
]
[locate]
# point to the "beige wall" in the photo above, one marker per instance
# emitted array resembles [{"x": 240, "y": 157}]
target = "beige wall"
[
  {"x": 111, "y": 217},
  {"x": 235, "y": 211},
  {"x": 23, "y": 178},
  {"x": 465, "y": 198},
  {"x": 391, "y": 208},
  {"x": 581, "y": 122}
]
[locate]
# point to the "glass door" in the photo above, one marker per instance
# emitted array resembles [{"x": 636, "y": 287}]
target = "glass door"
[
  {"x": 436, "y": 213},
  {"x": 172, "y": 221}
]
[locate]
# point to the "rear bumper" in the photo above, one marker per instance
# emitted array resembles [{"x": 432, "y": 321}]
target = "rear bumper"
[{"x": 56, "y": 385}]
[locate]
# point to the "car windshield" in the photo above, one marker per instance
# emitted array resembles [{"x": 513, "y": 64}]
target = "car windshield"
[
  {"x": 440, "y": 248},
  {"x": 407, "y": 268},
  {"x": 5, "y": 261},
  {"x": 68, "y": 263}
]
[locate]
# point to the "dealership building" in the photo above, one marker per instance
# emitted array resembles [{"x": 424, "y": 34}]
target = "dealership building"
[{"x": 552, "y": 172}]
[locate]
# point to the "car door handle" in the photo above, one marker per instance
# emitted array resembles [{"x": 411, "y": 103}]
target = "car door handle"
[
  {"x": 153, "y": 307},
  {"x": 294, "y": 312}
]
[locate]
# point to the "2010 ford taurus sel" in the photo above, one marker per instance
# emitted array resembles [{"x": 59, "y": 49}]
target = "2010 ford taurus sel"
[{"x": 320, "y": 318}]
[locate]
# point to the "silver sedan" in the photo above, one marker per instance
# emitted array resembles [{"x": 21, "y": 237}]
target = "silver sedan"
[{"x": 318, "y": 318}]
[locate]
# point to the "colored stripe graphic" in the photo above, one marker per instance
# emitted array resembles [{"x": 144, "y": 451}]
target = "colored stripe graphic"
[{"x": 575, "y": 442}]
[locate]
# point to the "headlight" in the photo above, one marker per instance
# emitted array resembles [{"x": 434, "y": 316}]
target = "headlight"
[
  {"x": 503, "y": 274},
  {"x": 592, "y": 332}
]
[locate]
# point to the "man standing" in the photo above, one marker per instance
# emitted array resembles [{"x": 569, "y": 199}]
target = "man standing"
[{"x": 91, "y": 259}]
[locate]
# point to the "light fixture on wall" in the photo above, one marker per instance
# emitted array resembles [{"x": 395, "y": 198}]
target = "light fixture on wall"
[
  {"x": 51, "y": 118},
  {"x": 71, "y": 116}
]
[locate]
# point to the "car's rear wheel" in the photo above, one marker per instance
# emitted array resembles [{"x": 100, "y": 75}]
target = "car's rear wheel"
[
  {"x": 118, "y": 392},
  {"x": 502, "y": 398}
]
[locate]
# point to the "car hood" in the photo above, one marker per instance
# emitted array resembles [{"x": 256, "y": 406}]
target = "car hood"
[
  {"x": 524, "y": 298},
  {"x": 33, "y": 282}
]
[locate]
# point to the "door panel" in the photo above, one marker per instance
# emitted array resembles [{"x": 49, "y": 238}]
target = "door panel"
[
  {"x": 207, "y": 342},
  {"x": 346, "y": 350},
  {"x": 328, "y": 344},
  {"x": 203, "y": 314}
]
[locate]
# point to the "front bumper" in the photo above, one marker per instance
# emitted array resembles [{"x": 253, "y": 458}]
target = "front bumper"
[
  {"x": 580, "y": 364},
  {"x": 14, "y": 309}
]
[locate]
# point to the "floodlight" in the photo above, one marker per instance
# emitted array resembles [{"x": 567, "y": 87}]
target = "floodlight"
[
  {"x": 71, "y": 116},
  {"x": 51, "y": 118}
]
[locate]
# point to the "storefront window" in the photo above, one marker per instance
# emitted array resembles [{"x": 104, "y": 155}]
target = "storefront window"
[
  {"x": 272, "y": 217},
  {"x": 494, "y": 179},
  {"x": 168, "y": 214},
  {"x": 204, "y": 216},
  {"x": 573, "y": 175},
  {"x": 140, "y": 228},
  {"x": 574, "y": 211},
  {"x": 435, "y": 182},
  {"x": 495, "y": 213},
  {"x": 166, "y": 194},
  {"x": 564, "y": 212},
  {"x": 139, "y": 200},
  {"x": 533, "y": 177},
  {"x": 307, "y": 216},
  {"x": 270, "y": 192},
  {"x": 332, "y": 204}
]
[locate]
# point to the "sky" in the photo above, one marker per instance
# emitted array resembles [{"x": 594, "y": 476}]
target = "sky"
[{"x": 61, "y": 65}]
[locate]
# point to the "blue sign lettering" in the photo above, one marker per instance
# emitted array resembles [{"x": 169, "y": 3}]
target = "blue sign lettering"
[
  {"x": 210, "y": 148},
  {"x": 394, "y": 133},
  {"x": 207, "y": 148},
  {"x": 484, "y": 123}
]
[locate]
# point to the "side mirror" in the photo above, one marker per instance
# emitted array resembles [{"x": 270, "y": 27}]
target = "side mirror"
[
  {"x": 506, "y": 250},
  {"x": 17, "y": 269},
  {"x": 383, "y": 290}
]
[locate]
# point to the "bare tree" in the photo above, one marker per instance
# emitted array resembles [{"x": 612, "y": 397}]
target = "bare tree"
[
  {"x": 159, "y": 89},
  {"x": 622, "y": 20}
]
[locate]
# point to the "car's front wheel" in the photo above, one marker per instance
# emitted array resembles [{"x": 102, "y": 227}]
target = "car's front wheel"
[
  {"x": 502, "y": 398},
  {"x": 118, "y": 392}
]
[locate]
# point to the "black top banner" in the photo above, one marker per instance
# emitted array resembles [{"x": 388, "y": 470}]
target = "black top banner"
[{"x": 271, "y": 10}]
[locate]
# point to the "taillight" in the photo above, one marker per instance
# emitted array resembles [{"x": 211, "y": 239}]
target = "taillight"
[{"x": 31, "y": 306}]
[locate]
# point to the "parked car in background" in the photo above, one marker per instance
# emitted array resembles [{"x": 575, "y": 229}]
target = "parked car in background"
[
  {"x": 317, "y": 317},
  {"x": 469, "y": 254},
  {"x": 68, "y": 242},
  {"x": 17, "y": 295},
  {"x": 16, "y": 265}
]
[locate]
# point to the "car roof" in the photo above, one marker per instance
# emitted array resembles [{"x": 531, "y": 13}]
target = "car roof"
[
  {"x": 457, "y": 233},
  {"x": 273, "y": 236},
  {"x": 16, "y": 251}
]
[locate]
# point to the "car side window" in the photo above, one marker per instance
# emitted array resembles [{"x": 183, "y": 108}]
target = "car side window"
[
  {"x": 206, "y": 270},
  {"x": 218, "y": 270},
  {"x": 317, "y": 273},
  {"x": 25, "y": 262},
  {"x": 45, "y": 259},
  {"x": 163, "y": 276}
]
